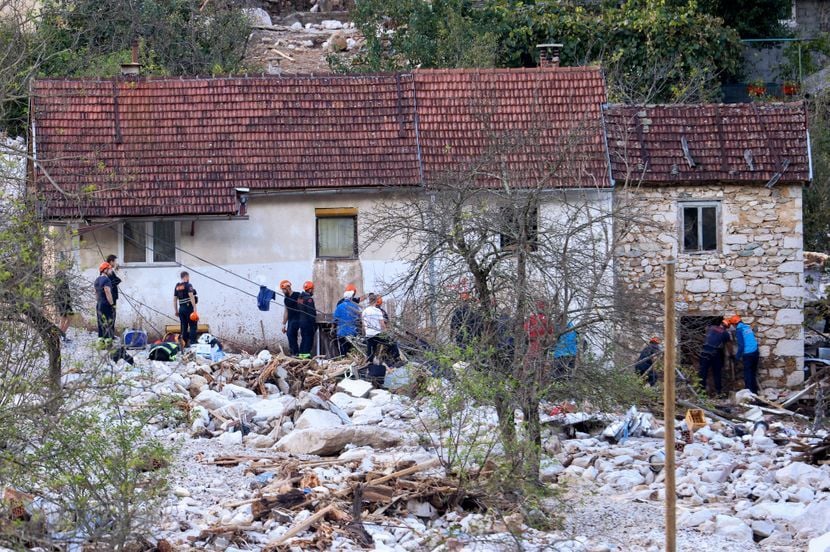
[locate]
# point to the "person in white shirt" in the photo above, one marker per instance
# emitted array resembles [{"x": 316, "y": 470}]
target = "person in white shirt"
[{"x": 374, "y": 326}]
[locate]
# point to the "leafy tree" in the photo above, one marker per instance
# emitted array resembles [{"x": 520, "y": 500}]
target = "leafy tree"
[
  {"x": 751, "y": 18},
  {"x": 653, "y": 51},
  {"x": 817, "y": 195}
]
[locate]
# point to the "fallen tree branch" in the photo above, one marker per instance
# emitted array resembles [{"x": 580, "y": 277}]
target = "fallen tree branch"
[{"x": 300, "y": 527}]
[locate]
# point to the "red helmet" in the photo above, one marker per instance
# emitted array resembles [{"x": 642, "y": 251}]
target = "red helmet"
[
  {"x": 285, "y": 283},
  {"x": 104, "y": 266},
  {"x": 308, "y": 286}
]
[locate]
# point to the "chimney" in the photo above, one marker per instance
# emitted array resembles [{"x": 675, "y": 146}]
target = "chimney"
[
  {"x": 549, "y": 54},
  {"x": 133, "y": 68}
]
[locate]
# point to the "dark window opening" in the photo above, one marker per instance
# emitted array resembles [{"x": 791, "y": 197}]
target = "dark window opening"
[
  {"x": 518, "y": 227},
  {"x": 700, "y": 228}
]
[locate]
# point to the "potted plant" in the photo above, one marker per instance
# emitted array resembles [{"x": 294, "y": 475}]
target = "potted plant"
[
  {"x": 790, "y": 88},
  {"x": 756, "y": 89}
]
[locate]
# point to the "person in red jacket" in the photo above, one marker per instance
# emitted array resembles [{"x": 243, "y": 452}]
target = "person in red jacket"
[{"x": 538, "y": 330}]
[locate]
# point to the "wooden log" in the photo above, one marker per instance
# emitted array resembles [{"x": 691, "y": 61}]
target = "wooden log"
[
  {"x": 797, "y": 395},
  {"x": 300, "y": 527}
]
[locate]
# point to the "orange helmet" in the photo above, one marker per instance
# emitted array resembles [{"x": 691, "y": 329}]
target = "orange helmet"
[
  {"x": 351, "y": 287},
  {"x": 285, "y": 283},
  {"x": 655, "y": 339},
  {"x": 734, "y": 320},
  {"x": 194, "y": 316},
  {"x": 104, "y": 266},
  {"x": 308, "y": 286},
  {"x": 380, "y": 300}
]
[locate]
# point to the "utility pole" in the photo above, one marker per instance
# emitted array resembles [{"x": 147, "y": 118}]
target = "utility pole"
[{"x": 668, "y": 406}]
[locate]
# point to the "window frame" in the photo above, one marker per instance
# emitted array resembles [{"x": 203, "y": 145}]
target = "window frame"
[
  {"x": 335, "y": 213},
  {"x": 533, "y": 234},
  {"x": 681, "y": 219},
  {"x": 149, "y": 246}
]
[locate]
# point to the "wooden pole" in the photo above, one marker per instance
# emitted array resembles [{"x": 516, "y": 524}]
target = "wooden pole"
[{"x": 668, "y": 407}]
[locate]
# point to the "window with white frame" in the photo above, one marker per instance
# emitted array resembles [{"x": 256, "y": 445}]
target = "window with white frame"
[
  {"x": 148, "y": 242},
  {"x": 699, "y": 226}
]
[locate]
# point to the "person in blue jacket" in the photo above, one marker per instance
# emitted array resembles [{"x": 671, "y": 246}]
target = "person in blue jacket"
[
  {"x": 747, "y": 352},
  {"x": 564, "y": 352},
  {"x": 346, "y": 319}
]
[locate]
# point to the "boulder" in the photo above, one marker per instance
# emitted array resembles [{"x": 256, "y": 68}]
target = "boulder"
[
  {"x": 332, "y": 440},
  {"x": 258, "y": 17},
  {"x": 693, "y": 519},
  {"x": 236, "y": 392},
  {"x": 762, "y": 528},
  {"x": 331, "y": 24},
  {"x": 230, "y": 438},
  {"x": 777, "y": 511},
  {"x": 799, "y": 473},
  {"x": 368, "y": 416},
  {"x": 820, "y": 544},
  {"x": 197, "y": 385},
  {"x": 348, "y": 403},
  {"x": 814, "y": 521},
  {"x": 733, "y": 528},
  {"x": 273, "y": 407},
  {"x": 317, "y": 419},
  {"x": 239, "y": 411},
  {"x": 355, "y": 388},
  {"x": 211, "y": 400}
]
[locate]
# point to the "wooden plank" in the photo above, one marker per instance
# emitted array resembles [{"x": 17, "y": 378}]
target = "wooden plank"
[{"x": 300, "y": 527}]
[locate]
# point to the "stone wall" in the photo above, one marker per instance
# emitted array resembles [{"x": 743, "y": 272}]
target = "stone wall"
[{"x": 757, "y": 271}]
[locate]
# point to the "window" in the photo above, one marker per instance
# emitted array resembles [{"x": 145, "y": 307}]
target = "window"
[
  {"x": 148, "y": 242},
  {"x": 337, "y": 233},
  {"x": 513, "y": 227},
  {"x": 699, "y": 230}
]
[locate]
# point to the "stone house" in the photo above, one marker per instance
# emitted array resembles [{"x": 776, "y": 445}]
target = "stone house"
[
  {"x": 719, "y": 188},
  {"x": 242, "y": 180}
]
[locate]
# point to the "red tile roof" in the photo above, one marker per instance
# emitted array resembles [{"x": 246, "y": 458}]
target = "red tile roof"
[
  {"x": 156, "y": 147},
  {"x": 182, "y": 146},
  {"x": 543, "y": 125},
  {"x": 739, "y": 143}
]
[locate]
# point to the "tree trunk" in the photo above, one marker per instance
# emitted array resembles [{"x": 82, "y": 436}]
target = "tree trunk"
[{"x": 51, "y": 336}]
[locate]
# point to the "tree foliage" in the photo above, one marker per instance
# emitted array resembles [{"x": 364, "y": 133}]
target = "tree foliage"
[
  {"x": 750, "y": 18},
  {"x": 817, "y": 195},
  {"x": 684, "y": 47}
]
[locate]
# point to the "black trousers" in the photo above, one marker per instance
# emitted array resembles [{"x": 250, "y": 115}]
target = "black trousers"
[
  {"x": 105, "y": 316},
  {"x": 292, "y": 333},
  {"x": 344, "y": 346},
  {"x": 188, "y": 326},
  {"x": 307, "y": 337},
  {"x": 750, "y": 362},
  {"x": 711, "y": 361},
  {"x": 376, "y": 341}
]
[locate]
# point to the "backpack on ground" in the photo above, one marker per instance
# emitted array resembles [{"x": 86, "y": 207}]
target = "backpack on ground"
[{"x": 164, "y": 352}]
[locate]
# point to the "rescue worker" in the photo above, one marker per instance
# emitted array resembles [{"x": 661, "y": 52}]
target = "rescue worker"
[
  {"x": 184, "y": 305},
  {"x": 747, "y": 352},
  {"x": 116, "y": 281},
  {"x": 105, "y": 314},
  {"x": 346, "y": 318},
  {"x": 711, "y": 357},
  {"x": 307, "y": 320},
  {"x": 375, "y": 328},
  {"x": 291, "y": 317},
  {"x": 465, "y": 323},
  {"x": 538, "y": 331},
  {"x": 645, "y": 363},
  {"x": 566, "y": 348}
]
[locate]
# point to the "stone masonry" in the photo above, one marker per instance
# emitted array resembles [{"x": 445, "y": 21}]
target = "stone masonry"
[{"x": 757, "y": 271}]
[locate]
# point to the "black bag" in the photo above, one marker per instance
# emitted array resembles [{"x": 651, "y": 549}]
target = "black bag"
[
  {"x": 121, "y": 352},
  {"x": 164, "y": 352}
]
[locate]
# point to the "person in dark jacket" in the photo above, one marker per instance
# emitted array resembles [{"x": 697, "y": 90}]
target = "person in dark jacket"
[
  {"x": 308, "y": 319},
  {"x": 104, "y": 311},
  {"x": 346, "y": 319},
  {"x": 291, "y": 317},
  {"x": 465, "y": 323},
  {"x": 645, "y": 363},
  {"x": 116, "y": 281},
  {"x": 711, "y": 356},
  {"x": 184, "y": 303}
]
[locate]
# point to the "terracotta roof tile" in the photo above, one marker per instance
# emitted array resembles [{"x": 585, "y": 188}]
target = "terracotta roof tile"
[{"x": 726, "y": 143}]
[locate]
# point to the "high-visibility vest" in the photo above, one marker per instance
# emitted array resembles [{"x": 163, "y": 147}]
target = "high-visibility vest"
[{"x": 164, "y": 352}]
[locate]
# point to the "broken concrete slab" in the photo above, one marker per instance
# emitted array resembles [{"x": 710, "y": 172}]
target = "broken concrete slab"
[
  {"x": 317, "y": 419},
  {"x": 355, "y": 388},
  {"x": 330, "y": 441}
]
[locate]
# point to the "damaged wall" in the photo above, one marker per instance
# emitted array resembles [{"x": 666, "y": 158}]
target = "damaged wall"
[{"x": 756, "y": 272}]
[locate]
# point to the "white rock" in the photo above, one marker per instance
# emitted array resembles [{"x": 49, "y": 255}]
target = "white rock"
[
  {"x": 799, "y": 473},
  {"x": 258, "y": 441},
  {"x": 815, "y": 520},
  {"x": 239, "y": 411},
  {"x": 273, "y": 407},
  {"x": 333, "y": 440},
  {"x": 211, "y": 400},
  {"x": 236, "y": 392},
  {"x": 348, "y": 403},
  {"x": 296, "y": 26},
  {"x": 264, "y": 356},
  {"x": 803, "y": 494},
  {"x": 784, "y": 511},
  {"x": 694, "y": 519},
  {"x": 181, "y": 492},
  {"x": 820, "y": 544},
  {"x": 355, "y": 388},
  {"x": 230, "y": 439},
  {"x": 733, "y": 528},
  {"x": 331, "y": 24},
  {"x": 697, "y": 451},
  {"x": 197, "y": 384},
  {"x": 421, "y": 509},
  {"x": 317, "y": 419},
  {"x": 258, "y": 16},
  {"x": 368, "y": 416},
  {"x": 762, "y": 528}
]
